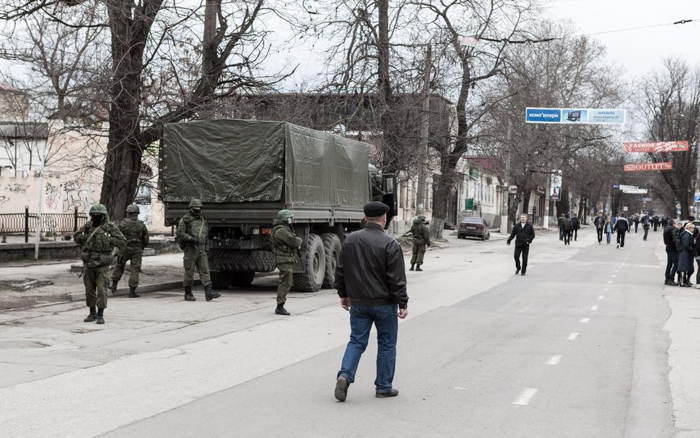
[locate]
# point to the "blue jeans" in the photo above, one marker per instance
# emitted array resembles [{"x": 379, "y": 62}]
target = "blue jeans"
[{"x": 385, "y": 318}]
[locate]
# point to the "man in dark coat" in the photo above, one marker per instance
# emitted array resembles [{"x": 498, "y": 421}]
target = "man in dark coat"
[
  {"x": 562, "y": 228},
  {"x": 575, "y": 226},
  {"x": 671, "y": 251},
  {"x": 655, "y": 221},
  {"x": 686, "y": 254},
  {"x": 524, "y": 234},
  {"x": 599, "y": 223},
  {"x": 567, "y": 229},
  {"x": 371, "y": 283},
  {"x": 645, "y": 225},
  {"x": 636, "y": 223},
  {"x": 622, "y": 226}
]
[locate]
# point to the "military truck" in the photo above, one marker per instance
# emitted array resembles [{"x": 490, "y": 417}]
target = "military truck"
[{"x": 245, "y": 171}]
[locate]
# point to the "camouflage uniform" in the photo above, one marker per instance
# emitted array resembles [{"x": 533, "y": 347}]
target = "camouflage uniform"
[
  {"x": 192, "y": 235},
  {"x": 97, "y": 239},
  {"x": 136, "y": 235},
  {"x": 421, "y": 239},
  {"x": 285, "y": 244}
]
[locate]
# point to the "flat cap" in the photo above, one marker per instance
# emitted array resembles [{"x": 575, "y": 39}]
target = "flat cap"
[{"x": 376, "y": 209}]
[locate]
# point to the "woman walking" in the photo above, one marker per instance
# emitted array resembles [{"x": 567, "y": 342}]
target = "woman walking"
[
  {"x": 608, "y": 229},
  {"x": 686, "y": 254}
]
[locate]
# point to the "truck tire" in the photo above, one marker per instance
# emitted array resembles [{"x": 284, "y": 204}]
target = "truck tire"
[
  {"x": 242, "y": 261},
  {"x": 219, "y": 280},
  {"x": 331, "y": 246},
  {"x": 241, "y": 279},
  {"x": 313, "y": 259}
]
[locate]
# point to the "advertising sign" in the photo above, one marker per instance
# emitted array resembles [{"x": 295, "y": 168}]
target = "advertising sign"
[
  {"x": 555, "y": 185},
  {"x": 697, "y": 197},
  {"x": 661, "y": 146},
  {"x": 643, "y": 167},
  {"x": 580, "y": 116}
]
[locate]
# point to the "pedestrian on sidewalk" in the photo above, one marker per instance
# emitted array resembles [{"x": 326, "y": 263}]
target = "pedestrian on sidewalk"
[
  {"x": 97, "y": 239},
  {"x": 567, "y": 229},
  {"x": 686, "y": 254},
  {"x": 524, "y": 234},
  {"x": 575, "y": 226},
  {"x": 608, "y": 229},
  {"x": 621, "y": 227},
  {"x": 136, "y": 235},
  {"x": 421, "y": 239},
  {"x": 671, "y": 251},
  {"x": 193, "y": 238},
  {"x": 599, "y": 223},
  {"x": 636, "y": 223},
  {"x": 645, "y": 225},
  {"x": 655, "y": 222},
  {"x": 285, "y": 245},
  {"x": 371, "y": 282},
  {"x": 562, "y": 228}
]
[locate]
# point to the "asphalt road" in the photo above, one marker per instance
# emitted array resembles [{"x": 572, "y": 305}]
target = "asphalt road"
[{"x": 574, "y": 349}]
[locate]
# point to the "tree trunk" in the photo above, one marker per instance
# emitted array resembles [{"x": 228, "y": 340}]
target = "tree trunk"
[{"x": 526, "y": 201}]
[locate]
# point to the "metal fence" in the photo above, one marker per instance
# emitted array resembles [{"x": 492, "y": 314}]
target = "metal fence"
[{"x": 16, "y": 223}]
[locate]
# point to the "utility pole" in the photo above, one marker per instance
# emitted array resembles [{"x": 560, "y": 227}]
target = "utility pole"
[
  {"x": 424, "y": 135},
  {"x": 506, "y": 183}
]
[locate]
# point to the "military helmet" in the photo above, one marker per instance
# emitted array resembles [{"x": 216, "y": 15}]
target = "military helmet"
[
  {"x": 195, "y": 203},
  {"x": 284, "y": 215},
  {"x": 132, "y": 209},
  {"x": 98, "y": 209}
]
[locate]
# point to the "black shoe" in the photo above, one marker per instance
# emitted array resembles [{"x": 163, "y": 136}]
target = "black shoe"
[
  {"x": 210, "y": 294},
  {"x": 517, "y": 271},
  {"x": 393, "y": 392},
  {"x": 188, "y": 294},
  {"x": 672, "y": 283},
  {"x": 413, "y": 267},
  {"x": 685, "y": 285},
  {"x": 132, "y": 292},
  {"x": 280, "y": 310},
  {"x": 419, "y": 269},
  {"x": 90, "y": 318},
  {"x": 100, "y": 319},
  {"x": 341, "y": 388},
  {"x": 523, "y": 273}
]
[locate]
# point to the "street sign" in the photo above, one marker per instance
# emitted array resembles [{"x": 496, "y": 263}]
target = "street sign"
[
  {"x": 697, "y": 197},
  {"x": 661, "y": 146},
  {"x": 636, "y": 191},
  {"x": 512, "y": 190},
  {"x": 643, "y": 167},
  {"x": 646, "y": 199},
  {"x": 575, "y": 116}
]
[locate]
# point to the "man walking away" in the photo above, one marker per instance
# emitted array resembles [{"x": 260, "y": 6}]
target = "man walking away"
[
  {"x": 567, "y": 230},
  {"x": 655, "y": 221},
  {"x": 599, "y": 223},
  {"x": 421, "y": 239},
  {"x": 524, "y": 234},
  {"x": 575, "y": 226},
  {"x": 645, "y": 225},
  {"x": 562, "y": 228},
  {"x": 608, "y": 227},
  {"x": 636, "y": 223},
  {"x": 193, "y": 237},
  {"x": 621, "y": 227},
  {"x": 97, "y": 239},
  {"x": 371, "y": 282},
  {"x": 136, "y": 235},
  {"x": 285, "y": 244},
  {"x": 686, "y": 253},
  {"x": 671, "y": 253}
]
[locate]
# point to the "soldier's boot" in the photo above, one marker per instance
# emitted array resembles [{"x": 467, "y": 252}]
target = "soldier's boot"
[
  {"x": 418, "y": 268},
  {"x": 100, "y": 316},
  {"x": 92, "y": 316},
  {"x": 188, "y": 294},
  {"x": 413, "y": 267},
  {"x": 132, "y": 292},
  {"x": 280, "y": 310},
  {"x": 113, "y": 288},
  {"x": 210, "y": 294}
]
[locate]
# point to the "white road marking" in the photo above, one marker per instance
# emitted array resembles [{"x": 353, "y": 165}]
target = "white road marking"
[
  {"x": 554, "y": 360},
  {"x": 602, "y": 297},
  {"x": 525, "y": 397},
  {"x": 573, "y": 336},
  {"x": 609, "y": 281},
  {"x": 594, "y": 308},
  {"x": 585, "y": 320},
  {"x": 461, "y": 388}
]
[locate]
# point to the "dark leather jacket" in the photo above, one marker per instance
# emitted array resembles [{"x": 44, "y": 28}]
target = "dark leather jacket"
[
  {"x": 371, "y": 269},
  {"x": 523, "y": 234}
]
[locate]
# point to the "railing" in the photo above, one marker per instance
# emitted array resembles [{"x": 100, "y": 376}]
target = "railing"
[{"x": 15, "y": 223}]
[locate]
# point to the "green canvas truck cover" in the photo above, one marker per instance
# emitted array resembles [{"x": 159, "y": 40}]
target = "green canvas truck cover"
[{"x": 236, "y": 161}]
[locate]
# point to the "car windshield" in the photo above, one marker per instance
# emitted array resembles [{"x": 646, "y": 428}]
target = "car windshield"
[{"x": 471, "y": 220}]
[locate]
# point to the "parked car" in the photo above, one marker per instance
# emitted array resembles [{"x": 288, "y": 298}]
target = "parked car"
[{"x": 474, "y": 227}]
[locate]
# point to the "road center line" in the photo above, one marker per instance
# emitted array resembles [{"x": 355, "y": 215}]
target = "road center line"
[
  {"x": 525, "y": 397},
  {"x": 594, "y": 308},
  {"x": 585, "y": 320},
  {"x": 554, "y": 360},
  {"x": 573, "y": 336}
]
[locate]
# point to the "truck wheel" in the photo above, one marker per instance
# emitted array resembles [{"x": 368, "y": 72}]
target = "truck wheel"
[
  {"x": 331, "y": 246},
  {"x": 219, "y": 280},
  {"x": 241, "y": 279},
  {"x": 313, "y": 259}
]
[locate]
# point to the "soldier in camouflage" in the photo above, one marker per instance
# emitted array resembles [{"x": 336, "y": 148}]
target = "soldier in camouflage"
[
  {"x": 136, "y": 235},
  {"x": 285, "y": 244},
  {"x": 97, "y": 239},
  {"x": 421, "y": 239},
  {"x": 192, "y": 236}
]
